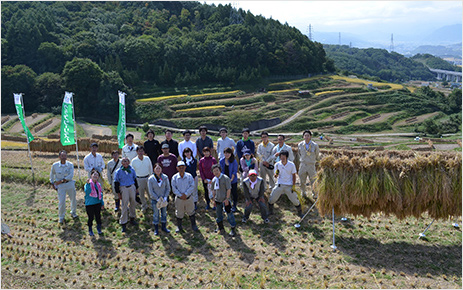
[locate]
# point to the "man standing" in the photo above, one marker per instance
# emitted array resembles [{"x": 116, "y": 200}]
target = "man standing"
[
  {"x": 130, "y": 149},
  {"x": 61, "y": 175},
  {"x": 173, "y": 145},
  {"x": 113, "y": 165},
  {"x": 125, "y": 183},
  {"x": 221, "y": 185},
  {"x": 94, "y": 160},
  {"x": 245, "y": 144},
  {"x": 280, "y": 147},
  {"x": 152, "y": 147},
  {"x": 285, "y": 171},
  {"x": 224, "y": 142},
  {"x": 309, "y": 153},
  {"x": 183, "y": 186},
  {"x": 254, "y": 189},
  {"x": 204, "y": 141},
  {"x": 186, "y": 143},
  {"x": 168, "y": 162},
  {"x": 264, "y": 155},
  {"x": 143, "y": 169}
]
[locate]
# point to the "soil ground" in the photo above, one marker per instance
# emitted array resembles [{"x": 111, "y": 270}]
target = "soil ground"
[{"x": 29, "y": 122}]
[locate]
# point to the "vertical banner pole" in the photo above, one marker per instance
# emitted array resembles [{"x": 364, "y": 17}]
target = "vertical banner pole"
[
  {"x": 121, "y": 125},
  {"x": 27, "y": 138},
  {"x": 75, "y": 136}
]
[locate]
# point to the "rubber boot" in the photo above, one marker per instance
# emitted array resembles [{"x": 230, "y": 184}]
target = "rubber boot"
[
  {"x": 299, "y": 211},
  {"x": 193, "y": 223},
  {"x": 196, "y": 206},
  {"x": 118, "y": 205},
  {"x": 90, "y": 231},
  {"x": 164, "y": 228},
  {"x": 270, "y": 209},
  {"x": 98, "y": 228},
  {"x": 220, "y": 227},
  {"x": 179, "y": 226},
  {"x": 232, "y": 232},
  {"x": 156, "y": 230},
  {"x": 124, "y": 228}
]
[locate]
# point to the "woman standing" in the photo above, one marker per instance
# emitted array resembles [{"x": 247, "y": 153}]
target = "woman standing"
[
  {"x": 159, "y": 188},
  {"x": 230, "y": 168},
  {"x": 94, "y": 201},
  {"x": 205, "y": 170},
  {"x": 191, "y": 167}
]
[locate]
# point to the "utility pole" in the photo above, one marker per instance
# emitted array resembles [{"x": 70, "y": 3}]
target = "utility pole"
[{"x": 310, "y": 32}]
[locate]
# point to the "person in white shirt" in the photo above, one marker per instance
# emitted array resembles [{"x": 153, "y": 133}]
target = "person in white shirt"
[
  {"x": 309, "y": 154},
  {"x": 130, "y": 149},
  {"x": 280, "y": 147},
  {"x": 224, "y": 142},
  {"x": 285, "y": 172},
  {"x": 61, "y": 175},
  {"x": 186, "y": 143},
  {"x": 143, "y": 168},
  {"x": 264, "y": 155},
  {"x": 113, "y": 165},
  {"x": 94, "y": 160}
]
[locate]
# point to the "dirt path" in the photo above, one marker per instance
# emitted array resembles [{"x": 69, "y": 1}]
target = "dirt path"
[
  {"x": 419, "y": 119},
  {"x": 29, "y": 122},
  {"x": 382, "y": 118},
  {"x": 95, "y": 129},
  {"x": 55, "y": 122}
]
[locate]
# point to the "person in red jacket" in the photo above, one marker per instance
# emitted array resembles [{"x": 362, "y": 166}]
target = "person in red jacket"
[{"x": 205, "y": 170}]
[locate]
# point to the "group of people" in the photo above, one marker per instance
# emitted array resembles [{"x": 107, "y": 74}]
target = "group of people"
[{"x": 156, "y": 170}]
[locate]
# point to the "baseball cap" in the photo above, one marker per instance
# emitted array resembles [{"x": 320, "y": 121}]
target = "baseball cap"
[
  {"x": 252, "y": 171},
  {"x": 180, "y": 163},
  {"x": 164, "y": 146}
]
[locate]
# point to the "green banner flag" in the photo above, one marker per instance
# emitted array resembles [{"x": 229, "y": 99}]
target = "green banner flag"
[
  {"x": 67, "y": 121},
  {"x": 121, "y": 124},
  {"x": 19, "y": 109}
]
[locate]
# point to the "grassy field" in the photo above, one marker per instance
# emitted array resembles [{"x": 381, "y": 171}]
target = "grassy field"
[{"x": 380, "y": 252}]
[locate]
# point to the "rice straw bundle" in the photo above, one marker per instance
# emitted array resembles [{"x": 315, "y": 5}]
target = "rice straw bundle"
[{"x": 403, "y": 184}]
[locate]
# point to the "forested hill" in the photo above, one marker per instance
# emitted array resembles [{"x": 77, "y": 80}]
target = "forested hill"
[
  {"x": 380, "y": 63},
  {"x": 435, "y": 62},
  {"x": 96, "y": 48}
]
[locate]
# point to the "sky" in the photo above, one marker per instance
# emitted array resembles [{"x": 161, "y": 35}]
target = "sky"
[{"x": 358, "y": 17}]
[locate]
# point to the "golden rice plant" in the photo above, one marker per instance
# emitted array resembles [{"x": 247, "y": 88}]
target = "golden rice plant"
[
  {"x": 215, "y": 94},
  {"x": 399, "y": 183},
  {"x": 328, "y": 92},
  {"x": 201, "y": 108},
  {"x": 156, "y": 99},
  {"x": 282, "y": 91},
  {"x": 365, "y": 82}
]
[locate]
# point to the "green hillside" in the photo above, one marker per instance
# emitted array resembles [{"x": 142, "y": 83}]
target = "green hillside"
[
  {"x": 96, "y": 48},
  {"x": 379, "y": 63},
  {"x": 435, "y": 62}
]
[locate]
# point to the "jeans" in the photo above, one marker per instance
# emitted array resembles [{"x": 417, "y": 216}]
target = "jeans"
[
  {"x": 156, "y": 213},
  {"x": 219, "y": 212}
]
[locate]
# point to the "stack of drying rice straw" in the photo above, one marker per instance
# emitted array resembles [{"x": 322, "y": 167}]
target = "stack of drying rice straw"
[{"x": 402, "y": 183}]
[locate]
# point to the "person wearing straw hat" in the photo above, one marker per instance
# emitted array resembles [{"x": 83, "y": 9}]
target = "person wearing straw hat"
[
  {"x": 130, "y": 149},
  {"x": 254, "y": 189},
  {"x": 183, "y": 186},
  {"x": 94, "y": 161},
  {"x": 159, "y": 188},
  {"x": 186, "y": 143},
  {"x": 61, "y": 175},
  {"x": 309, "y": 154},
  {"x": 285, "y": 172}
]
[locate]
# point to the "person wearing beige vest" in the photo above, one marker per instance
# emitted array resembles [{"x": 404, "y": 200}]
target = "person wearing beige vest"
[
  {"x": 254, "y": 189},
  {"x": 264, "y": 155},
  {"x": 309, "y": 154}
]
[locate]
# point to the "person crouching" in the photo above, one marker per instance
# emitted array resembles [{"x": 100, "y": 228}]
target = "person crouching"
[
  {"x": 94, "y": 201},
  {"x": 254, "y": 189},
  {"x": 221, "y": 190}
]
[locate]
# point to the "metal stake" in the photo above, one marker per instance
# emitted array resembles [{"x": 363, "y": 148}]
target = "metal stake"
[
  {"x": 333, "y": 246},
  {"x": 28, "y": 146},
  {"x": 75, "y": 136},
  {"x": 298, "y": 225},
  {"x": 422, "y": 235}
]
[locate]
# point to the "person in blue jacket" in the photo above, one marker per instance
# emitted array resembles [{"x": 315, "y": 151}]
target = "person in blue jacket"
[
  {"x": 94, "y": 201},
  {"x": 245, "y": 144},
  {"x": 229, "y": 167}
]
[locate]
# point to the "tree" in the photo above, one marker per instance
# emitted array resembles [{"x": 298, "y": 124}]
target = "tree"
[
  {"x": 454, "y": 100},
  {"x": 17, "y": 79},
  {"x": 82, "y": 77},
  {"x": 50, "y": 92}
]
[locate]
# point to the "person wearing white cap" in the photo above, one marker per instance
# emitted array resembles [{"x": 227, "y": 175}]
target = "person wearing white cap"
[
  {"x": 254, "y": 189},
  {"x": 183, "y": 186}
]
